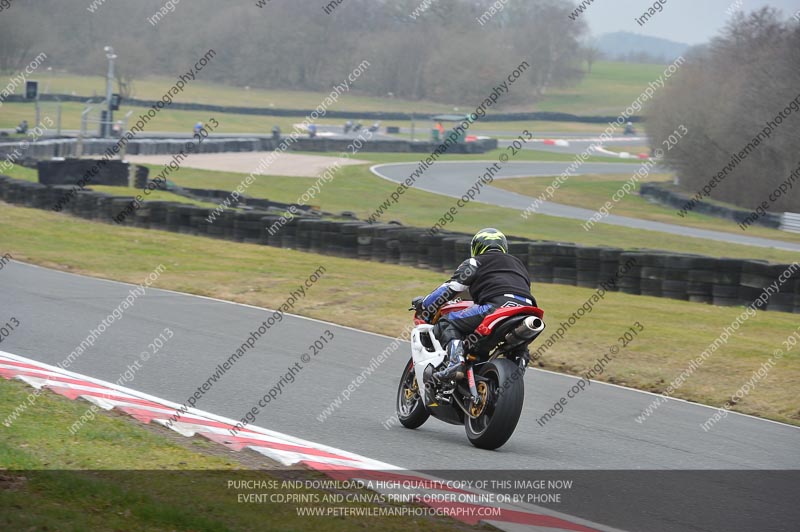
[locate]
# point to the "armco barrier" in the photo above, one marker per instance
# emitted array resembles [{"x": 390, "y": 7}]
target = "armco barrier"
[
  {"x": 660, "y": 194},
  {"x": 647, "y": 272}
]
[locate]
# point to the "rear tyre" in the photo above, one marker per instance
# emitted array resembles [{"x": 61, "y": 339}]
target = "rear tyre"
[
  {"x": 503, "y": 393},
  {"x": 410, "y": 409}
]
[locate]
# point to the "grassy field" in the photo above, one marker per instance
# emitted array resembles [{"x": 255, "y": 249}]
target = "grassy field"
[
  {"x": 356, "y": 189},
  {"x": 592, "y": 191},
  {"x": 608, "y": 90},
  {"x": 117, "y": 474},
  {"x": 675, "y": 331},
  {"x": 183, "y": 121}
]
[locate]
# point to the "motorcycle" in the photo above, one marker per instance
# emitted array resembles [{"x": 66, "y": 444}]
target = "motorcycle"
[{"x": 488, "y": 401}]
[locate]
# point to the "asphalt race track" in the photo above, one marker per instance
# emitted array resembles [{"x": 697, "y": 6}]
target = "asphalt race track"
[
  {"x": 597, "y": 431},
  {"x": 453, "y": 179}
]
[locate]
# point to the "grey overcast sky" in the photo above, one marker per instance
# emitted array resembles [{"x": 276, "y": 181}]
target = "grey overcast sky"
[{"x": 689, "y": 21}]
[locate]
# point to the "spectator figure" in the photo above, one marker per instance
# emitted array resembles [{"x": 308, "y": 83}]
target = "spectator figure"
[
  {"x": 276, "y": 133},
  {"x": 22, "y": 127}
]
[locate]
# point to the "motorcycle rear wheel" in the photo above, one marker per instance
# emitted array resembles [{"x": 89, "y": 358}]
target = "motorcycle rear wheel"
[
  {"x": 411, "y": 411},
  {"x": 499, "y": 416}
]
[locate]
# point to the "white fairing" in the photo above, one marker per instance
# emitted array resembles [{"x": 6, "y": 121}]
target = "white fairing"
[{"x": 422, "y": 357}]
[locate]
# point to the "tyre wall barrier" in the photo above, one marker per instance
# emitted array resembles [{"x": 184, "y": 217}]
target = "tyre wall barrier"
[
  {"x": 68, "y": 171},
  {"x": 660, "y": 194},
  {"x": 68, "y": 147},
  {"x": 695, "y": 278}
]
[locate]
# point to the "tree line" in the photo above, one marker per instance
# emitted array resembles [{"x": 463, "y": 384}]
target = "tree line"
[
  {"x": 729, "y": 96},
  {"x": 442, "y": 53}
]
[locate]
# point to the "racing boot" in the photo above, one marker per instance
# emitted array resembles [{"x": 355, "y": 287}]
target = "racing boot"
[{"x": 455, "y": 369}]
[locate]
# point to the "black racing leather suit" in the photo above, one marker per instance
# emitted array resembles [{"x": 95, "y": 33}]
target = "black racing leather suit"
[{"x": 494, "y": 279}]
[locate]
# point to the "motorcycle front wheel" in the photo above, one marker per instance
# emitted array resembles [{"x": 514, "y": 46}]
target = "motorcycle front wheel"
[
  {"x": 502, "y": 396},
  {"x": 410, "y": 409}
]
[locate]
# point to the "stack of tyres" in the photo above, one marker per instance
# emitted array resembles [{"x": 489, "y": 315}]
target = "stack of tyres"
[
  {"x": 610, "y": 266},
  {"x": 587, "y": 264},
  {"x": 449, "y": 259},
  {"x": 629, "y": 273},
  {"x": 676, "y": 277},
  {"x": 198, "y": 220},
  {"x": 227, "y": 221},
  {"x": 701, "y": 279},
  {"x": 783, "y": 301},
  {"x": 564, "y": 263},
  {"x": 348, "y": 239},
  {"x": 41, "y": 198},
  {"x": 288, "y": 233},
  {"x": 331, "y": 238},
  {"x": 424, "y": 242},
  {"x": 272, "y": 232},
  {"x": 103, "y": 208},
  {"x": 173, "y": 221},
  {"x": 796, "y": 295},
  {"x": 158, "y": 218},
  {"x": 652, "y": 273},
  {"x": 379, "y": 243},
  {"x": 221, "y": 225},
  {"x": 435, "y": 256},
  {"x": 727, "y": 277},
  {"x": 409, "y": 240},
  {"x": 248, "y": 227},
  {"x": 318, "y": 228},
  {"x": 119, "y": 205},
  {"x": 462, "y": 250},
  {"x": 365, "y": 234},
  {"x": 84, "y": 204},
  {"x": 304, "y": 227},
  {"x": 754, "y": 278},
  {"x": 540, "y": 262},
  {"x": 519, "y": 250},
  {"x": 185, "y": 212},
  {"x": 393, "y": 235}
]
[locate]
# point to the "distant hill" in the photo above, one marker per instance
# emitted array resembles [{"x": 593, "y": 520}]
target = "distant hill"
[{"x": 626, "y": 46}]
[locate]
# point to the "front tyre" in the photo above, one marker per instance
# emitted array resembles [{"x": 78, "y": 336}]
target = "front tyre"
[
  {"x": 503, "y": 394},
  {"x": 410, "y": 409}
]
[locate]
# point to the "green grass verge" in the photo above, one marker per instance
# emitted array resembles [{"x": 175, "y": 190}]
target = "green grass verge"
[
  {"x": 183, "y": 121},
  {"x": 607, "y": 90},
  {"x": 54, "y": 480},
  {"x": 675, "y": 332},
  {"x": 356, "y": 189},
  {"x": 592, "y": 191}
]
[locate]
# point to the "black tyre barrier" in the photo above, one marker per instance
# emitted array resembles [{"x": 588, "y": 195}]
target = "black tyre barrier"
[
  {"x": 660, "y": 194},
  {"x": 540, "y": 264},
  {"x": 66, "y": 172},
  {"x": 630, "y": 278},
  {"x": 679, "y": 276},
  {"x": 47, "y": 149},
  {"x": 587, "y": 261}
]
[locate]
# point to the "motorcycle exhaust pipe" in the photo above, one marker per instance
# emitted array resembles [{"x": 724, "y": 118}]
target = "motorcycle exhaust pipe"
[{"x": 529, "y": 329}]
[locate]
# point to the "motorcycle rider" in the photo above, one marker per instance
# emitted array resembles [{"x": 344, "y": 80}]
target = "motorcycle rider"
[{"x": 494, "y": 279}]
